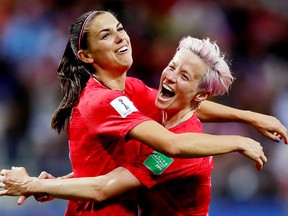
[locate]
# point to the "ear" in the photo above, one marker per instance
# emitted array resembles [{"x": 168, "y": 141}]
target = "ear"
[
  {"x": 201, "y": 96},
  {"x": 84, "y": 56}
]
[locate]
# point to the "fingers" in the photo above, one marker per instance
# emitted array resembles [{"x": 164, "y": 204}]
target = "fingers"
[
  {"x": 278, "y": 136},
  {"x": 264, "y": 159},
  {"x": 42, "y": 198},
  {"x": 274, "y": 136},
  {"x": 3, "y": 192},
  {"x": 280, "y": 131},
  {"x": 261, "y": 161},
  {"x": 255, "y": 152},
  {"x": 70, "y": 175},
  {"x": 2, "y": 185},
  {"x": 22, "y": 199},
  {"x": 2, "y": 179},
  {"x": 45, "y": 175},
  {"x": 3, "y": 172},
  {"x": 258, "y": 166}
]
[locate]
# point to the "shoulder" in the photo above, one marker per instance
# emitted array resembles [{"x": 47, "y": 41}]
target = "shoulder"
[
  {"x": 193, "y": 124},
  {"x": 95, "y": 92},
  {"x": 96, "y": 97},
  {"x": 136, "y": 86},
  {"x": 133, "y": 79},
  {"x": 132, "y": 82}
]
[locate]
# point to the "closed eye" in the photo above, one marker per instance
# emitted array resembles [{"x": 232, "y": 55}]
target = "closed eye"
[
  {"x": 120, "y": 29},
  {"x": 185, "y": 77},
  {"x": 170, "y": 66},
  {"x": 106, "y": 35}
]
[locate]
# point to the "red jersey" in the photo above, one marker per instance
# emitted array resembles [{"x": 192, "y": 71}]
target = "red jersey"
[
  {"x": 143, "y": 98},
  {"x": 98, "y": 144},
  {"x": 177, "y": 186}
]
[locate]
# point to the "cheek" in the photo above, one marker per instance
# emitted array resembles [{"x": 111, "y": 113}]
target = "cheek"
[
  {"x": 98, "y": 58},
  {"x": 185, "y": 98},
  {"x": 101, "y": 55},
  {"x": 187, "y": 92}
]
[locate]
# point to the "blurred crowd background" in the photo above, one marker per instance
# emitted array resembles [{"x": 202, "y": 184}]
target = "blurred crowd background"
[{"x": 253, "y": 34}]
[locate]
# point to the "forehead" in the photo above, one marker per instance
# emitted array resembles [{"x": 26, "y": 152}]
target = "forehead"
[
  {"x": 188, "y": 61},
  {"x": 102, "y": 22}
]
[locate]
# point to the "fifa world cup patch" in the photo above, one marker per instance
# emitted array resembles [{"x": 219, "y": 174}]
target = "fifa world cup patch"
[
  {"x": 157, "y": 162},
  {"x": 123, "y": 106}
]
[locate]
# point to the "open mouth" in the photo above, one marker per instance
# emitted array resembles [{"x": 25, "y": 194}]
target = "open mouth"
[
  {"x": 122, "y": 49},
  {"x": 166, "y": 92}
]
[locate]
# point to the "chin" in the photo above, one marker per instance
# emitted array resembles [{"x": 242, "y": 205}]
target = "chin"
[
  {"x": 128, "y": 63},
  {"x": 162, "y": 105}
]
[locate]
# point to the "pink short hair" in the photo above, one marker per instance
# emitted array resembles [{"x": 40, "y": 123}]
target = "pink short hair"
[{"x": 218, "y": 78}]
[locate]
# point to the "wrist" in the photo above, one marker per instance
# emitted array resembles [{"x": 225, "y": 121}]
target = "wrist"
[
  {"x": 32, "y": 184},
  {"x": 249, "y": 117},
  {"x": 239, "y": 145},
  {"x": 246, "y": 116}
]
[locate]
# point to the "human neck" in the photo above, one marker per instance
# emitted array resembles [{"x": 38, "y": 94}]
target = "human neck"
[
  {"x": 170, "y": 120},
  {"x": 115, "y": 82}
]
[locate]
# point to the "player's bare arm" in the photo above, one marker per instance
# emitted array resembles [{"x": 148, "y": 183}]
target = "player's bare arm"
[{"x": 267, "y": 125}]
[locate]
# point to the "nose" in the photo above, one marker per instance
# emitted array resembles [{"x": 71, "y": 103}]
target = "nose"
[
  {"x": 171, "y": 76},
  {"x": 119, "y": 37}
]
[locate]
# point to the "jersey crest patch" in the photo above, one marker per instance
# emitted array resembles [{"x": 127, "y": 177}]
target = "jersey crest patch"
[
  {"x": 157, "y": 162},
  {"x": 123, "y": 106}
]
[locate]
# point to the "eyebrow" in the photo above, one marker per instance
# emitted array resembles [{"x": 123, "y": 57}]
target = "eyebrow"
[{"x": 107, "y": 29}]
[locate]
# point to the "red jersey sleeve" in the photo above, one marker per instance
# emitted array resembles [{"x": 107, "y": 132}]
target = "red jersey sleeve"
[{"x": 109, "y": 113}]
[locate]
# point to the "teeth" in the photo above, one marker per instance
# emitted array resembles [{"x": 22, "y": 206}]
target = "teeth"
[
  {"x": 123, "y": 49},
  {"x": 166, "y": 93},
  {"x": 167, "y": 88}
]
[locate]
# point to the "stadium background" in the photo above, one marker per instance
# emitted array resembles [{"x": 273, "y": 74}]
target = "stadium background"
[{"x": 254, "y": 35}]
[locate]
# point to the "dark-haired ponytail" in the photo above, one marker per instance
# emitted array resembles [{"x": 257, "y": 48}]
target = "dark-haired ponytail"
[{"x": 73, "y": 78}]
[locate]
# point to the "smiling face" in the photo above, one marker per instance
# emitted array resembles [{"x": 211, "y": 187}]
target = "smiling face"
[
  {"x": 109, "y": 45},
  {"x": 178, "y": 88}
]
